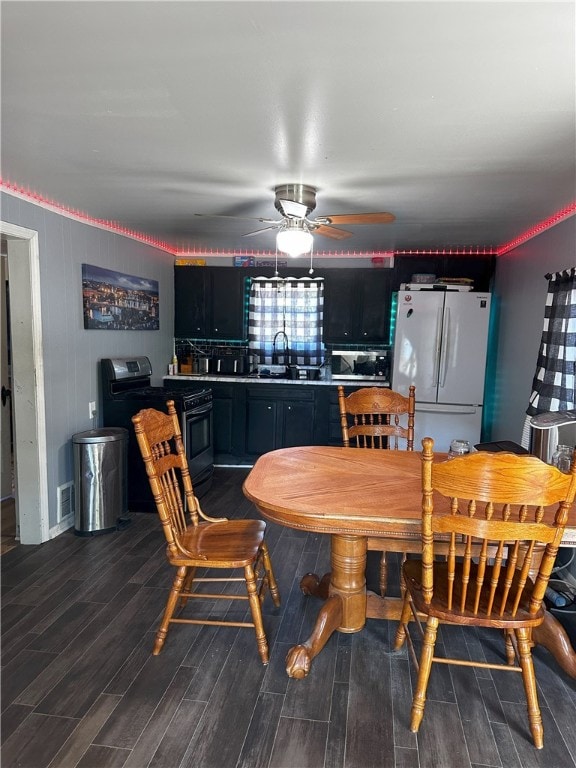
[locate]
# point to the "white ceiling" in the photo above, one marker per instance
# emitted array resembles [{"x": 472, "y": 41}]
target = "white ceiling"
[{"x": 458, "y": 117}]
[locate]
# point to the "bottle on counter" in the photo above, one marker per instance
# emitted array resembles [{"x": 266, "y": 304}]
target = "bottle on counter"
[{"x": 173, "y": 366}]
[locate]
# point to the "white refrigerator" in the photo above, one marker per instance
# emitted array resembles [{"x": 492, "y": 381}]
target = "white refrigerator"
[{"x": 440, "y": 346}]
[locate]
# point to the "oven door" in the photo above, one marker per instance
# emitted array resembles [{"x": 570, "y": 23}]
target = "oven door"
[{"x": 199, "y": 446}]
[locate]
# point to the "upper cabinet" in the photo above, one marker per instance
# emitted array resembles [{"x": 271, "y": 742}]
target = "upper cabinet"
[
  {"x": 209, "y": 303},
  {"x": 357, "y": 306},
  {"x": 478, "y": 268}
]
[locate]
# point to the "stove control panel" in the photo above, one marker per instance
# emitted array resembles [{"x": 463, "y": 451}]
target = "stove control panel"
[{"x": 120, "y": 368}]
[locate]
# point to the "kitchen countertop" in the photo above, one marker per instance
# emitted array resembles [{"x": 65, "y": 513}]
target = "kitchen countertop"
[{"x": 270, "y": 380}]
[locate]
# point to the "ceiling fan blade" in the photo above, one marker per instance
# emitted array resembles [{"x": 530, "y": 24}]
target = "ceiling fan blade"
[
  {"x": 245, "y": 218},
  {"x": 358, "y": 218},
  {"x": 257, "y": 231},
  {"x": 291, "y": 208},
  {"x": 332, "y": 232}
]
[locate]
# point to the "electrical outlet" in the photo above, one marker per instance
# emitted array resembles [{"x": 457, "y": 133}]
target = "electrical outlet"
[{"x": 92, "y": 409}]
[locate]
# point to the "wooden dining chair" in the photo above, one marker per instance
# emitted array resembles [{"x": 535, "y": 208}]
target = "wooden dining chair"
[
  {"x": 496, "y": 501},
  {"x": 377, "y": 417},
  {"x": 197, "y": 541}
]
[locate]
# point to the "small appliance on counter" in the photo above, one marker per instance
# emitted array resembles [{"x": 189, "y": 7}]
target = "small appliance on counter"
[
  {"x": 367, "y": 365},
  {"x": 231, "y": 365},
  {"x": 304, "y": 372},
  {"x": 272, "y": 371}
]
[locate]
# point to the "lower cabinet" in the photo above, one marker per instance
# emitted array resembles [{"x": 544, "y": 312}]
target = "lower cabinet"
[
  {"x": 223, "y": 419},
  {"x": 252, "y": 419},
  {"x": 278, "y": 417}
]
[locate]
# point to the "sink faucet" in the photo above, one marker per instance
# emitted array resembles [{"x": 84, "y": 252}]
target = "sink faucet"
[{"x": 285, "y": 351}]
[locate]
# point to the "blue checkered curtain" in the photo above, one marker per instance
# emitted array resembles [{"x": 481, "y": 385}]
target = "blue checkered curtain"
[
  {"x": 553, "y": 383},
  {"x": 294, "y": 306}
]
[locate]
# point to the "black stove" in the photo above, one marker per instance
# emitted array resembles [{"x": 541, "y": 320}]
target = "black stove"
[
  {"x": 187, "y": 399},
  {"x": 126, "y": 390}
]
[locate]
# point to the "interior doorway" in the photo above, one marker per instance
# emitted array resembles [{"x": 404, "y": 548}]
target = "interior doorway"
[
  {"x": 9, "y": 525},
  {"x": 30, "y": 481}
]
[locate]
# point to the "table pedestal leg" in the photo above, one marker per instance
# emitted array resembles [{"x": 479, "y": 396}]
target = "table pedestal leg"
[
  {"x": 345, "y": 608},
  {"x": 553, "y": 637},
  {"x": 551, "y": 633}
]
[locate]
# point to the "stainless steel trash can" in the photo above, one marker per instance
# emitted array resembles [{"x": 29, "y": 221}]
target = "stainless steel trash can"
[{"x": 100, "y": 462}]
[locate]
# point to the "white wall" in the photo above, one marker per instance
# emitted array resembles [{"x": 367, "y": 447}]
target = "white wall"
[
  {"x": 71, "y": 353},
  {"x": 520, "y": 290}
]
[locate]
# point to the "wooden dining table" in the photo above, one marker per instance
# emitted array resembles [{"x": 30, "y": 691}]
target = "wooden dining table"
[{"x": 352, "y": 494}]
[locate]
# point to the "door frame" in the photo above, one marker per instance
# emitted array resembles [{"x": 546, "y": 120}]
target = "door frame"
[{"x": 28, "y": 397}]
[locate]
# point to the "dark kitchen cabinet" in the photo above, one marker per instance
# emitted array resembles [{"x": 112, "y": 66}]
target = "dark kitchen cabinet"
[
  {"x": 357, "y": 306},
  {"x": 478, "y": 268},
  {"x": 278, "y": 418},
  {"x": 223, "y": 418},
  {"x": 209, "y": 303}
]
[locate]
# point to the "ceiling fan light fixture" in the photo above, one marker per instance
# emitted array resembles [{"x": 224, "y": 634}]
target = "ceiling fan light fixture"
[{"x": 294, "y": 238}]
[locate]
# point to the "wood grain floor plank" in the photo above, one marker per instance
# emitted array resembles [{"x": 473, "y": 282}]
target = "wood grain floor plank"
[
  {"x": 477, "y": 731},
  {"x": 343, "y": 657},
  {"x": 12, "y": 717},
  {"x": 103, "y": 757},
  {"x": 33, "y": 620},
  {"x": 20, "y": 672},
  {"x": 261, "y": 734},
  {"x": 406, "y": 758},
  {"x": 310, "y": 698},
  {"x": 82, "y": 684},
  {"x": 171, "y": 750},
  {"x": 370, "y": 731},
  {"x": 148, "y": 689},
  {"x": 555, "y": 752},
  {"x": 299, "y": 743},
  {"x": 12, "y": 614},
  {"x": 275, "y": 678},
  {"x": 492, "y": 702},
  {"x": 79, "y": 741},
  {"x": 224, "y": 724},
  {"x": 337, "y": 727},
  {"x": 41, "y": 686},
  {"x": 65, "y": 628},
  {"x": 509, "y": 757},
  {"x": 441, "y": 740},
  {"x": 401, "y": 695},
  {"x": 170, "y": 727},
  {"x": 36, "y": 741}
]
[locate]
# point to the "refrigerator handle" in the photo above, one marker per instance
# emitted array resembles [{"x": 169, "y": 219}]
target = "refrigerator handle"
[
  {"x": 445, "y": 347},
  {"x": 437, "y": 346}
]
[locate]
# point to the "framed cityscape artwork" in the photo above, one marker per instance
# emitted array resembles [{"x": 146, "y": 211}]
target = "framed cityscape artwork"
[{"x": 113, "y": 301}]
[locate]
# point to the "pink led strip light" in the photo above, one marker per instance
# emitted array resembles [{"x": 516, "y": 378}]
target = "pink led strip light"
[
  {"x": 112, "y": 226},
  {"x": 570, "y": 210}
]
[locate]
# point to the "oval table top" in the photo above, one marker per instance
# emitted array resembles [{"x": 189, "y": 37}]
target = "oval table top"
[
  {"x": 328, "y": 489},
  {"x": 357, "y": 491}
]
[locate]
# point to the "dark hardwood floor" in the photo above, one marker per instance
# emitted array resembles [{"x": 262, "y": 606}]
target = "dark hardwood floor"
[
  {"x": 8, "y": 525},
  {"x": 80, "y": 686}
]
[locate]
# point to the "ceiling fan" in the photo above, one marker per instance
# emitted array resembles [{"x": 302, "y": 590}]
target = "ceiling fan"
[{"x": 295, "y": 202}]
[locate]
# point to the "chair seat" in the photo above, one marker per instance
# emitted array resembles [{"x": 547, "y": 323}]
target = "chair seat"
[
  {"x": 438, "y": 605},
  {"x": 231, "y": 543}
]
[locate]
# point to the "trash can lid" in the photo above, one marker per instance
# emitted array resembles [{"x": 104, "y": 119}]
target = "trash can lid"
[{"x": 106, "y": 435}]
